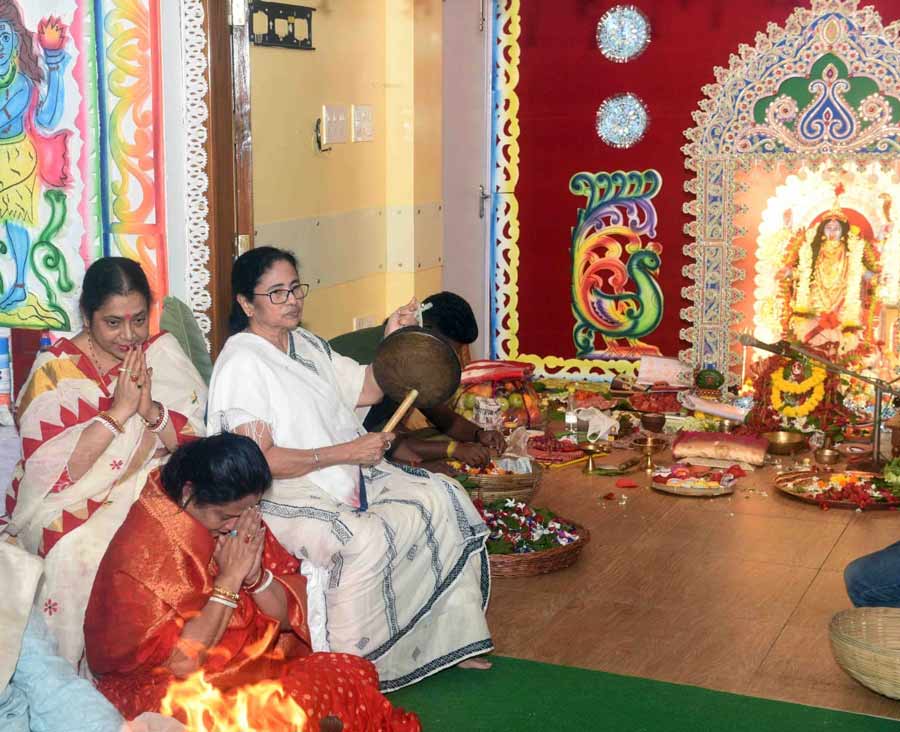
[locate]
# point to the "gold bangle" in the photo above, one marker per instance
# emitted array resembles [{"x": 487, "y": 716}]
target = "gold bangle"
[
  {"x": 109, "y": 419},
  {"x": 227, "y": 594},
  {"x": 451, "y": 448}
]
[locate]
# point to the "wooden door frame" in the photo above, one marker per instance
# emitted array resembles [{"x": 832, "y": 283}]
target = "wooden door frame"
[{"x": 229, "y": 155}]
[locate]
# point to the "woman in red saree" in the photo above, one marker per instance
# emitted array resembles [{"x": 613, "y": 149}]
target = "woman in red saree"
[{"x": 193, "y": 581}]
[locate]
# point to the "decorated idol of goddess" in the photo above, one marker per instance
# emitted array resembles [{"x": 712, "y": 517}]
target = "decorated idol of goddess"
[{"x": 829, "y": 293}]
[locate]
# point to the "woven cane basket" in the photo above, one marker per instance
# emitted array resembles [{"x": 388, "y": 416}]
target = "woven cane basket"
[
  {"x": 549, "y": 560},
  {"x": 866, "y": 644},
  {"x": 517, "y": 486}
]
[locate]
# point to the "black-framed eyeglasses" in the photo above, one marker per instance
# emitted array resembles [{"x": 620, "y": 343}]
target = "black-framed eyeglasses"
[{"x": 280, "y": 297}]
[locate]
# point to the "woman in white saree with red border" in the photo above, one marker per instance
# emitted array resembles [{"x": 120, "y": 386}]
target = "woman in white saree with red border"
[{"x": 68, "y": 515}]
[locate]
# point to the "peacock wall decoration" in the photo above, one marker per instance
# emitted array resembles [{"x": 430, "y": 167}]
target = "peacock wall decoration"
[{"x": 616, "y": 264}]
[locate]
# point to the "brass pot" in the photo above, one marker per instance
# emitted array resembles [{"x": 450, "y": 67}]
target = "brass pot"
[
  {"x": 827, "y": 456},
  {"x": 783, "y": 442}
]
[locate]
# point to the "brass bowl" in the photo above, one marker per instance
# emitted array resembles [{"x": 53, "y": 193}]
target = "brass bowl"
[
  {"x": 784, "y": 442},
  {"x": 827, "y": 456},
  {"x": 648, "y": 444}
]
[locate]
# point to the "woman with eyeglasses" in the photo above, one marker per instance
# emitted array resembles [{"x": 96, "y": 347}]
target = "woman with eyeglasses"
[{"x": 395, "y": 558}]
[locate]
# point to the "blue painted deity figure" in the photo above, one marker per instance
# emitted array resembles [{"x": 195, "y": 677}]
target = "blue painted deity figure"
[{"x": 31, "y": 104}]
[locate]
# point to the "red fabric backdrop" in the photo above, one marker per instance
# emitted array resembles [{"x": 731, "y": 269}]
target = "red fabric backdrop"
[{"x": 564, "y": 78}]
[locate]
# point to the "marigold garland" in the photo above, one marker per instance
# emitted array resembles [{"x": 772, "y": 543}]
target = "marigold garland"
[{"x": 815, "y": 382}]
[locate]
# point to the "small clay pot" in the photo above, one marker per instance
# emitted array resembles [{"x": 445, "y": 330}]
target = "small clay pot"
[{"x": 653, "y": 422}]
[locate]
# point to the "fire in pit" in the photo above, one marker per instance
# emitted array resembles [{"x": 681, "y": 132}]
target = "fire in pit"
[{"x": 260, "y": 707}]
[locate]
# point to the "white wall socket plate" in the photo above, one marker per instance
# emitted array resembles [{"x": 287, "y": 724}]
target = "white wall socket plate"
[
  {"x": 363, "y": 122},
  {"x": 335, "y": 124},
  {"x": 363, "y": 321}
]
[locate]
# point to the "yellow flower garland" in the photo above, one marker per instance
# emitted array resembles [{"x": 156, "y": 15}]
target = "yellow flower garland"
[{"x": 816, "y": 383}]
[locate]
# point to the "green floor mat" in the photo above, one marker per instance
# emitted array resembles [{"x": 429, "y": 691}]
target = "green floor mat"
[{"x": 525, "y": 696}]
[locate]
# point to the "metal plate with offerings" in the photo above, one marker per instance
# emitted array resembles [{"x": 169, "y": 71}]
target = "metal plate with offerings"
[{"x": 838, "y": 489}]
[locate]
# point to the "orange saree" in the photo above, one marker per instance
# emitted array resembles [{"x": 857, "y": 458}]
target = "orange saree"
[{"x": 159, "y": 572}]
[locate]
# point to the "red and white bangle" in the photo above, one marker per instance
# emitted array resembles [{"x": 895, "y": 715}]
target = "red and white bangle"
[{"x": 161, "y": 421}]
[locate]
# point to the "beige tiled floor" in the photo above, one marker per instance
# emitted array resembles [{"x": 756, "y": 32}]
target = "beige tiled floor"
[{"x": 728, "y": 593}]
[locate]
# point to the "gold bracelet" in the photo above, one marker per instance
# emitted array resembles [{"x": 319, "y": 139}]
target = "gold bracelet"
[
  {"x": 451, "y": 448},
  {"x": 227, "y": 594},
  {"x": 109, "y": 419}
]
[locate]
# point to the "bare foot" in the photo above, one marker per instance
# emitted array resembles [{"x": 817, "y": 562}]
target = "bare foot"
[{"x": 482, "y": 663}]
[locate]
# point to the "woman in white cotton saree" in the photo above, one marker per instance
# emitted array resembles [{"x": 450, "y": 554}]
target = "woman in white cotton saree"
[
  {"x": 398, "y": 571},
  {"x": 98, "y": 413}
]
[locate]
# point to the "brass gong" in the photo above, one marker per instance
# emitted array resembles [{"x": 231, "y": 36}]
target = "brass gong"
[{"x": 415, "y": 367}]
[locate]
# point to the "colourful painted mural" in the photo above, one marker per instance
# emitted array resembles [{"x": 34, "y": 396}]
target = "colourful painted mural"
[
  {"x": 616, "y": 295},
  {"x": 81, "y": 151}
]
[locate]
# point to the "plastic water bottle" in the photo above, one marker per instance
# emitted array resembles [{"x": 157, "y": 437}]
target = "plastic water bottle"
[
  {"x": 5, "y": 382},
  {"x": 571, "y": 416},
  {"x": 45, "y": 342}
]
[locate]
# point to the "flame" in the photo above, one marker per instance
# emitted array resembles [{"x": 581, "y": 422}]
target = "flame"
[
  {"x": 260, "y": 707},
  {"x": 51, "y": 33}
]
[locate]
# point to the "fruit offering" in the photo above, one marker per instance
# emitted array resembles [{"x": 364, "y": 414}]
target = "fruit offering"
[
  {"x": 505, "y": 381},
  {"x": 584, "y": 399},
  {"x": 846, "y": 489},
  {"x": 709, "y": 379},
  {"x": 550, "y": 450},
  {"x": 490, "y": 469},
  {"x": 697, "y": 476},
  {"x": 658, "y": 402}
]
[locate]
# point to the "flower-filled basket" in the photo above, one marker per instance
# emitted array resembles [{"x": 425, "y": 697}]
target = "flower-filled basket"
[{"x": 526, "y": 541}]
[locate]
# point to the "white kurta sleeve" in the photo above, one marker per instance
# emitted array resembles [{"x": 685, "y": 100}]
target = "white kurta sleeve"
[
  {"x": 239, "y": 393},
  {"x": 350, "y": 376}
]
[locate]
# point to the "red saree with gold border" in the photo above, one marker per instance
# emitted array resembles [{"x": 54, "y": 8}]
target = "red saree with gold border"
[{"x": 159, "y": 572}]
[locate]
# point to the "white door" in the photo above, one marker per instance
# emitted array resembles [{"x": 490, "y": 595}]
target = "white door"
[{"x": 466, "y": 133}]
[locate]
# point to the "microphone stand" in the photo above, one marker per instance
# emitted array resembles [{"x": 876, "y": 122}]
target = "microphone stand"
[{"x": 783, "y": 348}]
